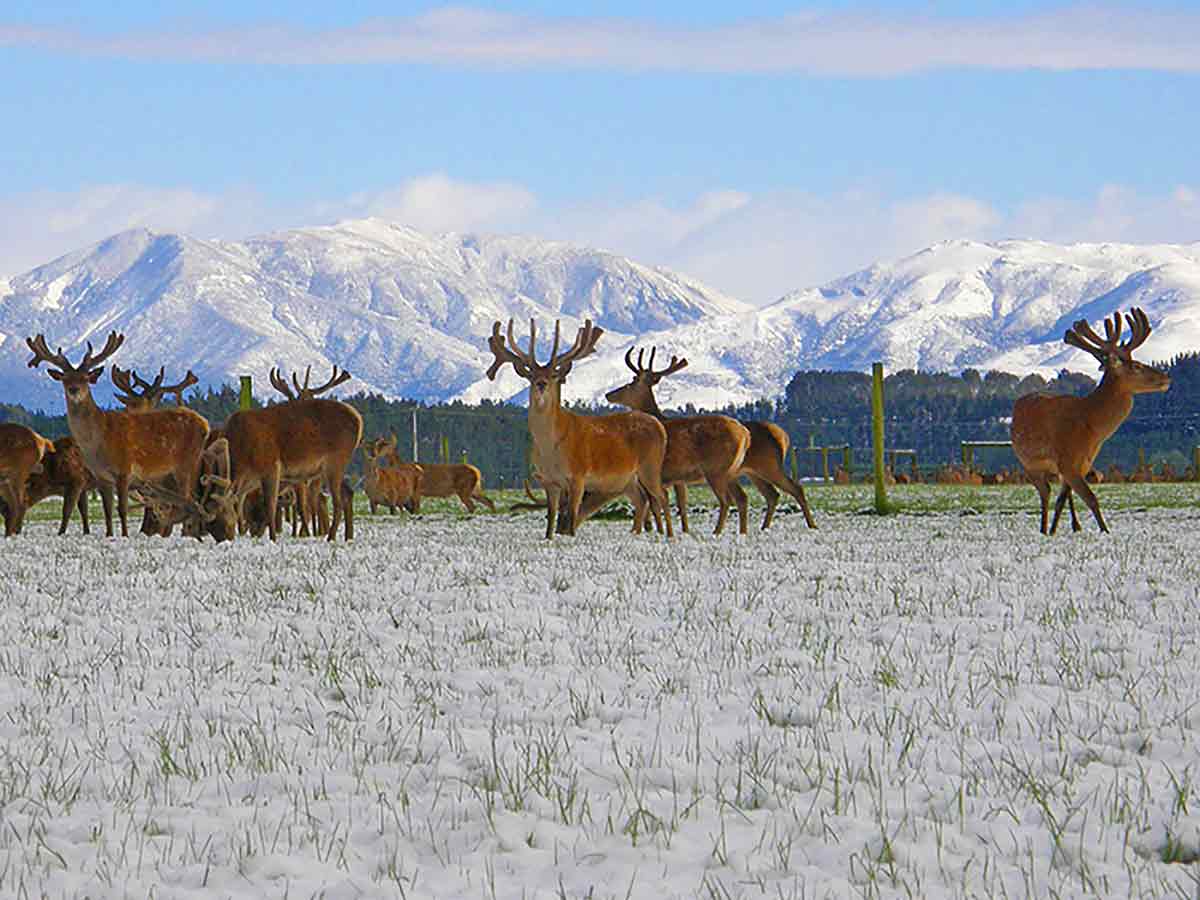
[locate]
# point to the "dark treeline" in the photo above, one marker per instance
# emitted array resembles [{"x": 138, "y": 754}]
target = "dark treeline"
[{"x": 930, "y": 413}]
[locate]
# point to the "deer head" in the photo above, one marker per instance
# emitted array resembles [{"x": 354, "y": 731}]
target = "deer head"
[
  {"x": 138, "y": 394},
  {"x": 545, "y": 380},
  {"x": 639, "y": 393},
  {"x": 1116, "y": 357},
  {"x": 77, "y": 380},
  {"x": 303, "y": 391}
]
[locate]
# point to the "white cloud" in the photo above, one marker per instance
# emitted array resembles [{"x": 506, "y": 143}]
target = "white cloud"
[
  {"x": 753, "y": 246},
  {"x": 869, "y": 44}
]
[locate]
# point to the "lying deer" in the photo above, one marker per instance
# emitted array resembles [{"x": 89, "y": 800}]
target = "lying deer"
[
  {"x": 119, "y": 446},
  {"x": 389, "y": 485},
  {"x": 572, "y": 453},
  {"x": 1061, "y": 435},
  {"x": 699, "y": 448},
  {"x": 460, "y": 480},
  {"x": 21, "y": 452}
]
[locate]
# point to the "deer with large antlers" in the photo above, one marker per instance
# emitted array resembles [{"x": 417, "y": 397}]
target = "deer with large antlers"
[
  {"x": 699, "y": 448},
  {"x": 119, "y": 446},
  {"x": 1061, "y": 435},
  {"x": 604, "y": 455},
  {"x": 294, "y": 442},
  {"x": 764, "y": 460},
  {"x": 139, "y": 395},
  {"x": 21, "y": 452}
]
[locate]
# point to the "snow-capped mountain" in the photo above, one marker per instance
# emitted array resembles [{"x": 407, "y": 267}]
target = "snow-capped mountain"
[{"x": 408, "y": 314}]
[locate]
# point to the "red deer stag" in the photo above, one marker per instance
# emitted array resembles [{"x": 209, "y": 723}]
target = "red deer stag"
[
  {"x": 699, "y": 448},
  {"x": 310, "y": 514},
  {"x": 21, "y": 452},
  {"x": 460, "y": 480},
  {"x": 139, "y": 395},
  {"x": 119, "y": 446},
  {"x": 1061, "y": 435},
  {"x": 606, "y": 455},
  {"x": 388, "y": 485},
  {"x": 295, "y": 442},
  {"x": 764, "y": 463},
  {"x": 63, "y": 473}
]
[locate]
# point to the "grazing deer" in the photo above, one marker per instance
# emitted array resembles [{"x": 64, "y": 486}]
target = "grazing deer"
[
  {"x": 212, "y": 511},
  {"x": 389, "y": 485},
  {"x": 699, "y": 448},
  {"x": 64, "y": 473},
  {"x": 120, "y": 446},
  {"x": 607, "y": 455},
  {"x": 764, "y": 463},
  {"x": 295, "y": 442},
  {"x": 1061, "y": 435},
  {"x": 21, "y": 452},
  {"x": 460, "y": 480}
]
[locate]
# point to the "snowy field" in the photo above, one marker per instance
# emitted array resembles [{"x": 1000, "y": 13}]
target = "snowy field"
[{"x": 925, "y": 705}]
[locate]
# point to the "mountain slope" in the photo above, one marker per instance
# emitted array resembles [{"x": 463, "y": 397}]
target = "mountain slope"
[{"x": 408, "y": 314}]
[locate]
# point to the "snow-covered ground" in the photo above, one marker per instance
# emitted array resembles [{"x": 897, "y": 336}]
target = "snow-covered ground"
[{"x": 919, "y": 705}]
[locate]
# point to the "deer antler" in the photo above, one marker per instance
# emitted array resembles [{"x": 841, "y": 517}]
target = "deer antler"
[
  {"x": 147, "y": 394},
  {"x": 648, "y": 370},
  {"x": 338, "y": 377},
  {"x": 585, "y": 344},
  {"x": 1082, "y": 336},
  {"x": 278, "y": 382},
  {"x": 508, "y": 352},
  {"x": 90, "y": 361}
]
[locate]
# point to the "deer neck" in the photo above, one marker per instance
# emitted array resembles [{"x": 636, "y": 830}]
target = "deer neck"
[
  {"x": 649, "y": 405},
  {"x": 86, "y": 423},
  {"x": 1109, "y": 404},
  {"x": 549, "y": 423}
]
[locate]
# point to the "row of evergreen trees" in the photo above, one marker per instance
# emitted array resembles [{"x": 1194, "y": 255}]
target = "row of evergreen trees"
[{"x": 931, "y": 413}]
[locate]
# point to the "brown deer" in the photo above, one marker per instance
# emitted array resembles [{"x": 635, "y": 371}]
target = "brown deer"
[
  {"x": 21, "y": 452},
  {"x": 119, "y": 446},
  {"x": 139, "y": 395},
  {"x": 64, "y": 473},
  {"x": 699, "y": 448},
  {"x": 388, "y": 485},
  {"x": 215, "y": 510},
  {"x": 764, "y": 465},
  {"x": 295, "y": 442},
  {"x": 460, "y": 480},
  {"x": 1061, "y": 435},
  {"x": 607, "y": 455},
  {"x": 309, "y": 512}
]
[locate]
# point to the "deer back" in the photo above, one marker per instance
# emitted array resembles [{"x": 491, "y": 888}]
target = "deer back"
[
  {"x": 146, "y": 444},
  {"x": 449, "y": 479},
  {"x": 21, "y": 451},
  {"x": 300, "y": 436},
  {"x": 62, "y": 470}
]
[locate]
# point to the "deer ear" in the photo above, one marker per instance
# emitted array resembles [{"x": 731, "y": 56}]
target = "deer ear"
[{"x": 94, "y": 374}]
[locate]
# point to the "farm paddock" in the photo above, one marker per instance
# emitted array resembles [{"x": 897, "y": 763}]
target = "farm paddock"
[{"x": 938, "y": 703}]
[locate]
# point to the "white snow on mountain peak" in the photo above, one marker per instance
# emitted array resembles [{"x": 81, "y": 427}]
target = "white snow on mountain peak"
[{"x": 409, "y": 313}]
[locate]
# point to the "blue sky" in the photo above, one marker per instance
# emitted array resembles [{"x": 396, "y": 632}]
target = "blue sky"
[{"x": 761, "y": 150}]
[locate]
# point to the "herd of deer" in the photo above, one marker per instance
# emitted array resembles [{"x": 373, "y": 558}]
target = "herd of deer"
[{"x": 237, "y": 478}]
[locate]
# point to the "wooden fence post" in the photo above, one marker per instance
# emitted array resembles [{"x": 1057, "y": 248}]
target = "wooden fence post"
[
  {"x": 246, "y": 395},
  {"x": 881, "y": 501}
]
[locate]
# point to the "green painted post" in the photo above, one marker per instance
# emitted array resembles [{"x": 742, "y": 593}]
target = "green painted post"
[
  {"x": 795, "y": 464},
  {"x": 847, "y": 459},
  {"x": 881, "y": 501},
  {"x": 1196, "y": 463},
  {"x": 245, "y": 397},
  {"x": 445, "y": 448}
]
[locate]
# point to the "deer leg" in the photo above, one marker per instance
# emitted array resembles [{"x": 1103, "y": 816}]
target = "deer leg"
[
  {"x": 551, "y": 510},
  {"x": 1075, "y": 526},
  {"x": 739, "y": 498},
  {"x": 347, "y": 493},
  {"x": 1083, "y": 490},
  {"x": 72, "y": 497},
  {"x": 106, "y": 501},
  {"x": 576, "y": 498},
  {"x": 797, "y": 490},
  {"x": 270, "y": 499},
  {"x": 10, "y": 508},
  {"x": 681, "y": 501},
  {"x": 769, "y": 494},
  {"x": 1063, "y": 496},
  {"x": 123, "y": 503},
  {"x": 467, "y": 502},
  {"x": 485, "y": 500},
  {"x": 721, "y": 491}
]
